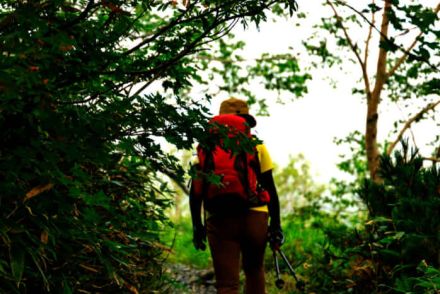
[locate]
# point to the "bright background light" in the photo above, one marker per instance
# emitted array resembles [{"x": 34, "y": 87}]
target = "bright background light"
[{"x": 309, "y": 125}]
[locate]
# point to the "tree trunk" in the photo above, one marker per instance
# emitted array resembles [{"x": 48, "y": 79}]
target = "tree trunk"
[
  {"x": 371, "y": 146},
  {"x": 373, "y": 100}
]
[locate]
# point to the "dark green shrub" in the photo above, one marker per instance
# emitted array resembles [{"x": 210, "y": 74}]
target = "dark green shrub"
[
  {"x": 93, "y": 230},
  {"x": 405, "y": 219},
  {"x": 398, "y": 250}
]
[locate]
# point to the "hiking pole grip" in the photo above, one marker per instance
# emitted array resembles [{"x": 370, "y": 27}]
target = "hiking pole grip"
[{"x": 279, "y": 283}]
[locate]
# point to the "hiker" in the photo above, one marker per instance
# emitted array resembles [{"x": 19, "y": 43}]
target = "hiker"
[{"x": 234, "y": 229}]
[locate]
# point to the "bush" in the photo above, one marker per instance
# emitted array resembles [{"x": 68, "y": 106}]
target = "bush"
[
  {"x": 94, "y": 230},
  {"x": 405, "y": 219},
  {"x": 398, "y": 250}
]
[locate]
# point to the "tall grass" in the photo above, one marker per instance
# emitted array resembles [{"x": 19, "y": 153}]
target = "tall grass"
[
  {"x": 304, "y": 243},
  {"x": 181, "y": 247}
]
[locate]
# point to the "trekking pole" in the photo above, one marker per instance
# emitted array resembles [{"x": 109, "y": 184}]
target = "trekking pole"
[
  {"x": 300, "y": 285},
  {"x": 279, "y": 282}
]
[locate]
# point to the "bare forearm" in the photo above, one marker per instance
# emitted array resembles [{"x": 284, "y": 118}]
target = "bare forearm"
[
  {"x": 195, "y": 204},
  {"x": 268, "y": 183}
]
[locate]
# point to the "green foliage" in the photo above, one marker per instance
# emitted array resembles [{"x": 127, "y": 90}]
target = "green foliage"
[
  {"x": 397, "y": 251},
  {"x": 309, "y": 227},
  {"x": 403, "y": 17},
  {"x": 279, "y": 73},
  {"x": 343, "y": 200},
  {"x": 91, "y": 229},
  {"x": 304, "y": 244},
  {"x": 182, "y": 249},
  {"x": 82, "y": 201},
  {"x": 314, "y": 240},
  {"x": 295, "y": 185},
  {"x": 429, "y": 281},
  {"x": 354, "y": 161},
  {"x": 409, "y": 198},
  {"x": 321, "y": 50}
]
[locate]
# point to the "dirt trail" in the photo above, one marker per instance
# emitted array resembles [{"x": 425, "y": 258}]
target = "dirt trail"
[{"x": 189, "y": 280}]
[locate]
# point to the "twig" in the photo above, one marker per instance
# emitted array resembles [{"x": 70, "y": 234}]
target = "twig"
[
  {"x": 367, "y": 41},
  {"x": 156, "y": 35},
  {"x": 385, "y": 37},
  {"x": 354, "y": 49},
  {"x": 406, "y": 52},
  {"x": 433, "y": 159},
  {"x": 81, "y": 16},
  {"x": 408, "y": 123},
  {"x": 174, "y": 178}
]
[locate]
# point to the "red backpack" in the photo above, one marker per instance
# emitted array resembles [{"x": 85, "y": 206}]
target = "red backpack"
[{"x": 237, "y": 174}]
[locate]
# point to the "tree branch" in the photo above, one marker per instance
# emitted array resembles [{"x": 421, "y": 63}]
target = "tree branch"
[
  {"x": 406, "y": 52},
  {"x": 156, "y": 35},
  {"x": 178, "y": 21},
  {"x": 195, "y": 43},
  {"x": 403, "y": 57},
  {"x": 385, "y": 38},
  {"x": 81, "y": 16},
  {"x": 347, "y": 36},
  {"x": 155, "y": 72},
  {"x": 382, "y": 58},
  {"x": 354, "y": 49},
  {"x": 433, "y": 159},
  {"x": 408, "y": 123},
  {"x": 367, "y": 41},
  {"x": 170, "y": 174}
]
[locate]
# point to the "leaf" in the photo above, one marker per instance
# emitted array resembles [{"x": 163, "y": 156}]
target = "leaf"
[
  {"x": 44, "y": 237},
  {"x": 37, "y": 190},
  {"x": 98, "y": 199},
  {"x": 89, "y": 268},
  {"x": 39, "y": 267},
  {"x": 66, "y": 287},
  {"x": 132, "y": 288},
  {"x": 374, "y": 8},
  {"x": 3, "y": 266},
  {"x": 16, "y": 254},
  {"x": 391, "y": 253},
  {"x": 379, "y": 219},
  {"x": 398, "y": 235}
]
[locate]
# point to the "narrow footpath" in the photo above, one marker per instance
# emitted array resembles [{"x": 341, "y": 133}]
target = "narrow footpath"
[{"x": 190, "y": 280}]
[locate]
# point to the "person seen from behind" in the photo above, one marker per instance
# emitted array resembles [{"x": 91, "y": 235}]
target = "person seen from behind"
[{"x": 242, "y": 212}]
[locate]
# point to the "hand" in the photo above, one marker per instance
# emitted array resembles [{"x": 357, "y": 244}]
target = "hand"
[
  {"x": 276, "y": 237},
  {"x": 199, "y": 237}
]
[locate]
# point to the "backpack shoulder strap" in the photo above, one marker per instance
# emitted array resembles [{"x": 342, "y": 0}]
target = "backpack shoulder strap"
[{"x": 241, "y": 166}]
